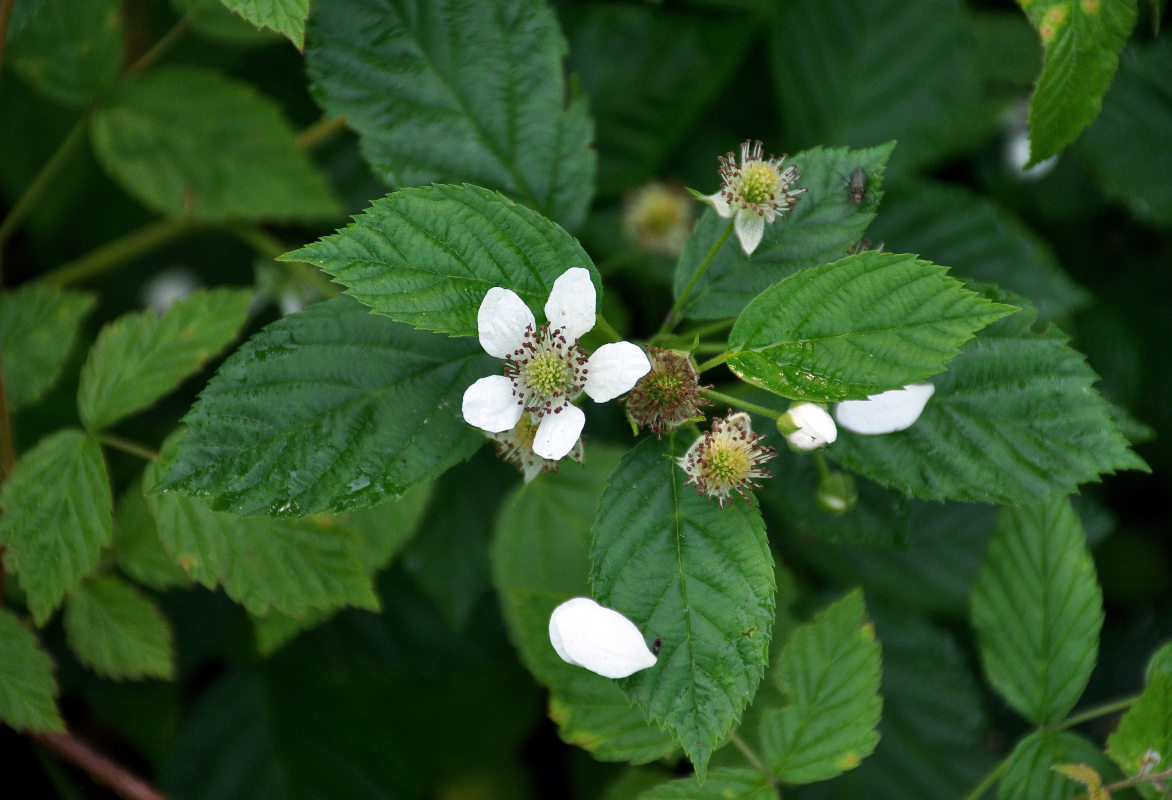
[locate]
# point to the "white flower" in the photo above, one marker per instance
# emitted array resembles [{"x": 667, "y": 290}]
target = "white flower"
[
  {"x": 600, "y": 639},
  {"x": 888, "y": 412},
  {"x": 754, "y": 192},
  {"x": 727, "y": 459},
  {"x": 807, "y": 426},
  {"x": 544, "y": 367}
]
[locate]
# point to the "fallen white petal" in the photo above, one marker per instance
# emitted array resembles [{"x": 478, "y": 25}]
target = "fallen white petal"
[
  {"x": 501, "y": 322},
  {"x": 815, "y": 428},
  {"x": 571, "y": 303},
  {"x": 600, "y": 639},
  {"x": 614, "y": 369},
  {"x": 720, "y": 205},
  {"x": 489, "y": 404},
  {"x": 556, "y": 433},
  {"x": 888, "y": 412},
  {"x": 750, "y": 227}
]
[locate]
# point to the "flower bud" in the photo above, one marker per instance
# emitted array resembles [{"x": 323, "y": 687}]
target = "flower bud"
[
  {"x": 837, "y": 493},
  {"x": 888, "y": 412},
  {"x": 658, "y": 218},
  {"x": 807, "y": 426},
  {"x": 600, "y": 639}
]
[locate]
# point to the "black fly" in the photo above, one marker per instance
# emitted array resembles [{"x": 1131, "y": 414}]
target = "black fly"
[
  {"x": 656, "y": 645},
  {"x": 856, "y": 185}
]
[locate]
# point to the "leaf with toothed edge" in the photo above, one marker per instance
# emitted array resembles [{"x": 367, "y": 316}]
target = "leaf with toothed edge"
[
  {"x": 697, "y": 577},
  {"x": 859, "y": 326},
  {"x": 428, "y": 256},
  {"x": 27, "y": 689},
  {"x": 720, "y": 784},
  {"x": 330, "y": 408}
]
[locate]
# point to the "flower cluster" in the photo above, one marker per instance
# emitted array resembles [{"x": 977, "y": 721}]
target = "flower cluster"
[
  {"x": 754, "y": 191},
  {"x": 545, "y": 370},
  {"x": 727, "y": 459}
]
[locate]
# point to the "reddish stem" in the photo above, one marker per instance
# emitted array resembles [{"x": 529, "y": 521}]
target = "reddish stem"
[{"x": 103, "y": 770}]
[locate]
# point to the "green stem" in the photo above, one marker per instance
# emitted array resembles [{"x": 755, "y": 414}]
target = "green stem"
[
  {"x": 601, "y": 324},
  {"x": 160, "y": 48},
  {"x": 127, "y": 446},
  {"x": 1094, "y": 712},
  {"x": 270, "y": 247},
  {"x": 676, "y": 313},
  {"x": 319, "y": 131},
  {"x": 56, "y": 163},
  {"x": 820, "y": 463},
  {"x": 1136, "y": 780},
  {"x": 750, "y": 755},
  {"x": 114, "y": 254},
  {"x": 710, "y": 347},
  {"x": 736, "y": 402},
  {"x": 716, "y": 361}
]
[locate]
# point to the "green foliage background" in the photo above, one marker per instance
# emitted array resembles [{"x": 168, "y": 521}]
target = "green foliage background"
[{"x": 179, "y": 137}]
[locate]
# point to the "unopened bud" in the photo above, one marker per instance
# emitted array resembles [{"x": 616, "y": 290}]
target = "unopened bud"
[
  {"x": 887, "y": 412},
  {"x": 837, "y": 493},
  {"x": 657, "y": 217},
  {"x": 807, "y": 426},
  {"x": 600, "y": 639}
]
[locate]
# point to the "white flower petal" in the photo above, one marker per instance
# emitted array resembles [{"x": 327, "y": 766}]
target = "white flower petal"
[
  {"x": 501, "y": 322},
  {"x": 888, "y": 412},
  {"x": 614, "y": 369},
  {"x": 750, "y": 227},
  {"x": 571, "y": 303},
  {"x": 720, "y": 204},
  {"x": 815, "y": 427},
  {"x": 557, "y": 433},
  {"x": 489, "y": 404},
  {"x": 600, "y": 639}
]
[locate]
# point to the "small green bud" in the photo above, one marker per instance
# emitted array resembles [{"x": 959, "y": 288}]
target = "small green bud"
[{"x": 837, "y": 493}]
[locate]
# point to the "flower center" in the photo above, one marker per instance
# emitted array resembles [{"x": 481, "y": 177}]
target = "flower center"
[
  {"x": 547, "y": 370},
  {"x": 759, "y": 181},
  {"x": 728, "y": 466}
]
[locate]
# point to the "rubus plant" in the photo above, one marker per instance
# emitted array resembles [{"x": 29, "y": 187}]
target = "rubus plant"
[{"x": 829, "y": 477}]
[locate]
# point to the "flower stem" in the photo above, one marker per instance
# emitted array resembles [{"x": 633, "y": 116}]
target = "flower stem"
[
  {"x": 676, "y": 313},
  {"x": 103, "y": 770},
  {"x": 113, "y": 254},
  {"x": 820, "y": 463},
  {"x": 749, "y": 754},
  {"x": 715, "y": 361},
  {"x": 736, "y": 402},
  {"x": 127, "y": 446},
  {"x": 601, "y": 324}
]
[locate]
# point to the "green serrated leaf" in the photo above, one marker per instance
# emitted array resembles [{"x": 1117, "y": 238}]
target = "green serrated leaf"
[
  {"x": 274, "y": 630},
  {"x": 292, "y": 566},
  {"x": 1161, "y": 662},
  {"x": 719, "y": 784},
  {"x": 71, "y": 50},
  {"x": 1029, "y": 773},
  {"x": 140, "y": 357},
  {"x": 286, "y": 17},
  {"x": 1037, "y": 609},
  {"x": 56, "y": 519},
  {"x": 540, "y": 558},
  {"x": 1147, "y": 726},
  {"x": 117, "y": 632},
  {"x": 829, "y": 669},
  {"x": 1081, "y": 40},
  {"x": 822, "y": 227},
  {"x": 1125, "y": 147},
  {"x": 330, "y": 408},
  {"x": 193, "y": 144},
  {"x": 28, "y": 692},
  {"x": 860, "y": 326},
  {"x": 991, "y": 432},
  {"x": 213, "y": 20},
  {"x": 697, "y": 577},
  {"x": 683, "y": 59},
  {"x": 976, "y": 238},
  {"x": 428, "y": 256},
  {"x": 38, "y": 326},
  {"x": 136, "y": 546},
  {"x": 458, "y": 90},
  {"x": 843, "y": 73}
]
